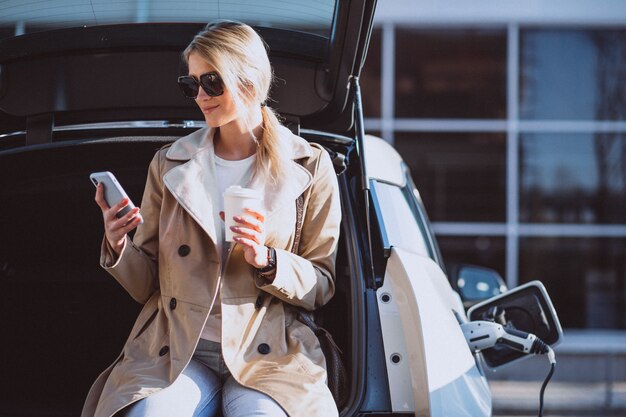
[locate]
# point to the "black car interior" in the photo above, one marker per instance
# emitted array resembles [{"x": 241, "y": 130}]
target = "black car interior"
[{"x": 64, "y": 319}]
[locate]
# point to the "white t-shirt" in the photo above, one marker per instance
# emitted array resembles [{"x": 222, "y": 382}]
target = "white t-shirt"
[{"x": 227, "y": 173}]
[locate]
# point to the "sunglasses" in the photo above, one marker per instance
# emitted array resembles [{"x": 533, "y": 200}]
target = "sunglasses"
[{"x": 210, "y": 82}]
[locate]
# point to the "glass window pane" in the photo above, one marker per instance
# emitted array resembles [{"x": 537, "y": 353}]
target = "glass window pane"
[
  {"x": 314, "y": 17},
  {"x": 573, "y": 178},
  {"x": 573, "y": 74},
  {"x": 370, "y": 76},
  {"x": 486, "y": 251},
  {"x": 401, "y": 223},
  {"x": 460, "y": 176},
  {"x": 450, "y": 74},
  {"x": 585, "y": 277}
]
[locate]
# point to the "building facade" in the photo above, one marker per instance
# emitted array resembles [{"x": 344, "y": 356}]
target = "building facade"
[{"x": 511, "y": 116}]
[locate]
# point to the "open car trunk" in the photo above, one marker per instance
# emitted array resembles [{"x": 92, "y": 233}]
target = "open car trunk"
[
  {"x": 64, "y": 318},
  {"x": 81, "y": 99}
]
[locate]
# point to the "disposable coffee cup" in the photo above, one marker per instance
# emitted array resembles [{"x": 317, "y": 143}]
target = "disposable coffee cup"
[{"x": 236, "y": 199}]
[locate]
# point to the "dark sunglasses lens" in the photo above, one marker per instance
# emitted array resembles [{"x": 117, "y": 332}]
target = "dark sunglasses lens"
[
  {"x": 212, "y": 84},
  {"x": 188, "y": 86}
]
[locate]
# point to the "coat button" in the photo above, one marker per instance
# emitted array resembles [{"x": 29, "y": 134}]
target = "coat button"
[
  {"x": 184, "y": 250},
  {"x": 164, "y": 350},
  {"x": 264, "y": 349},
  {"x": 173, "y": 303}
]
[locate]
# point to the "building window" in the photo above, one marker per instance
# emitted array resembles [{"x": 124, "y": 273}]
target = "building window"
[
  {"x": 558, "y": 212},
  {"x": 573, "y": 178},
  {"x": 370, "y": 77},
  {"x": 573, "y": 74},
  {"x": 487, "y": 251},
  {"x": 461, "y": 176},
  {"x": 457, "y": 74},
  {"x": 585, "y": 277}
]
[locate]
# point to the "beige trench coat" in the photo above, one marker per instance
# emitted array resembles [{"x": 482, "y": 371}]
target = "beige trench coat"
[{"x": 172, "y": 266}]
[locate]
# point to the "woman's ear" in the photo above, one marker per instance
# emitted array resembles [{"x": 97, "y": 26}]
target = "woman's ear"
[{"x": 247, "y": 92}]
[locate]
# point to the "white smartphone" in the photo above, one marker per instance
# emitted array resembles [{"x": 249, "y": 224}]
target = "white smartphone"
[{"x": 113, "y": 191}]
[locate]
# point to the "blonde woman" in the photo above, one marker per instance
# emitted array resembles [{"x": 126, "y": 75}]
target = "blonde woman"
[{"x": 218, "y": 328}]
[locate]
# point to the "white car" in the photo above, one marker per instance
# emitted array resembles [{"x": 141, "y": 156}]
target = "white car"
[{"x": 88, "y": 97}]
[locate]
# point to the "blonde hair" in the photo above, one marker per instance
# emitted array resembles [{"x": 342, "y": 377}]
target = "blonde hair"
[{"x": 240, "y": 58}]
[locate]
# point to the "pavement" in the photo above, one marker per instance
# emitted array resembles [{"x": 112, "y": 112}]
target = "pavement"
[
  {"x": 590, "y": 379},
  {"x": 521, "y": 398}
]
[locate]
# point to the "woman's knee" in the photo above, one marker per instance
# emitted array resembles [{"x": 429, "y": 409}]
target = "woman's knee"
[
  {"x": 195, "y": 393},
  {"x": 239, "y": 401}
]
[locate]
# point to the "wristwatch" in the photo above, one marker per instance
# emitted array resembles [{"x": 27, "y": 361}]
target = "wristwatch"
[{"x": 271, "y": 261}]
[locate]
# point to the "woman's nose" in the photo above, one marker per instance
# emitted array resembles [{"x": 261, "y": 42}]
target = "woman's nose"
[{"x": 202, "y": 95}]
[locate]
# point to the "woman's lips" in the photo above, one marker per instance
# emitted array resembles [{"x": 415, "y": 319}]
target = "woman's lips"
[{"x": 208, "y": 109}]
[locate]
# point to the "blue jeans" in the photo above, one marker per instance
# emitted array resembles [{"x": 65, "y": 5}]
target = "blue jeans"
[{"x": 205, "y": 387}]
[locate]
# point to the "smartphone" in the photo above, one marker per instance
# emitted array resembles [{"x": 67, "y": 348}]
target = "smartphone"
[{"x": 113, "y": 191}]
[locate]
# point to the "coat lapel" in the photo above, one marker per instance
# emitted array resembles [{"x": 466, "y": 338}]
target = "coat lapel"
[{"x": 193, "y": 183}]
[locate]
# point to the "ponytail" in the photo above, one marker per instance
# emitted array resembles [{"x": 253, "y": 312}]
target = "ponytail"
[{"x": 270, "y": 154}]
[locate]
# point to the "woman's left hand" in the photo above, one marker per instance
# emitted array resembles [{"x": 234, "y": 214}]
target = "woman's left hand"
[{"x": 250, "y": 233}]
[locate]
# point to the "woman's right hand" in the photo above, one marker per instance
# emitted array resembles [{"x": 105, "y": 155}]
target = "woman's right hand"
[{"x": 116, "y": 229}]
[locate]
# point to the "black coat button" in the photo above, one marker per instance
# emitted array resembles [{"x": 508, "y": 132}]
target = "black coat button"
[
  {"x": 264, "y": 349},
  {"x": 164, "y": 350},
  {"x": 184, "y": 250},
  {"x": 173, "y": 303}
]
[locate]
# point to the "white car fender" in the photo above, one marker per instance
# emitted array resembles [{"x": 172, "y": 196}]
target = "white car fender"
[{"x": 425, "y": 350}]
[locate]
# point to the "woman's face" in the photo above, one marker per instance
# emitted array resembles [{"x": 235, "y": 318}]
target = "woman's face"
[{"x": 218, "y": 111}]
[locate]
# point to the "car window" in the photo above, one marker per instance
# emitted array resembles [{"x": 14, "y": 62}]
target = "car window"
[
  {"x": 400, "y": 222},
  {"x": 33, "y": 15}
]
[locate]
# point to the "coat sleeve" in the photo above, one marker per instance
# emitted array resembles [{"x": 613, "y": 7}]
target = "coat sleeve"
[
  {"x": 136, "y": 269},
  {"x": 307, "y": 279}
]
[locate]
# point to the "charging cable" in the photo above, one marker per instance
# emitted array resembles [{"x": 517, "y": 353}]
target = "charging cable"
[
  {"x": 552, "y": 359},
  {"x": 482, "y": 334}
]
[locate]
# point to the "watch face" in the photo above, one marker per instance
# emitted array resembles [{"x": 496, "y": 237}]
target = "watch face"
[
  {"x": 271, "y": 260},
  {"x": 272, "y": 256}
]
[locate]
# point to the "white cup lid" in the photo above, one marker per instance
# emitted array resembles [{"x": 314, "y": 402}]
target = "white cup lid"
[{"x": 238, "y": 191}]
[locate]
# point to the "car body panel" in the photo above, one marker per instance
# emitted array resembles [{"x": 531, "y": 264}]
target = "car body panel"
[
  {"x": 466, "y": 396},
  {"x": 426, "y": 353},
  {"x": 405, "y": 354},
  {"x": 426, "y": 307}
]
